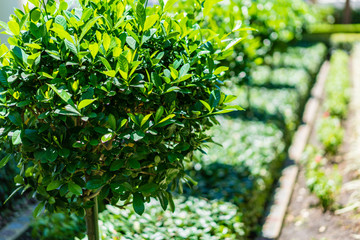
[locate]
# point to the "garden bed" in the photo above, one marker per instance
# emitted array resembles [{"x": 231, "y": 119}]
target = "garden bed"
[{"x": 324, "y": 217}]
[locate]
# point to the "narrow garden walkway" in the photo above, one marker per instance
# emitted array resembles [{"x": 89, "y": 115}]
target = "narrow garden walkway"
[{"x": 305, "y": 218}]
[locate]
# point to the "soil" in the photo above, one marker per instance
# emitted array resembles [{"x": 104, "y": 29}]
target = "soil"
[{"x": 305, "y": 219}]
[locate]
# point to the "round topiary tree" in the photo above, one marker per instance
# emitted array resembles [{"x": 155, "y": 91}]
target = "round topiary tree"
[{"x": 106, "y": 101}]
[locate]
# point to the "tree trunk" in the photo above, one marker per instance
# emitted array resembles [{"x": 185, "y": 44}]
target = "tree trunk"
[
  {"x": 347, "y": 13},
  {"x": 92, "y": 224}
]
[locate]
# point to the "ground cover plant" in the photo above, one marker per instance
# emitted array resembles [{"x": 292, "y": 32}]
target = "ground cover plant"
[
  {"x": 243, "y": 169},
  {"x": 106, "y": 101},
  {"x": 337, "y": 90},
  {"x": 337, "y": 87},
  {"x": 324, "y": 183},
  {"x": 330, "y": 133},
  {"x": 194, "y": 218}
]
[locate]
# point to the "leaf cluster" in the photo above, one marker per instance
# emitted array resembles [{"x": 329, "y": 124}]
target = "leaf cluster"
[{"x": 106, "y": 100}]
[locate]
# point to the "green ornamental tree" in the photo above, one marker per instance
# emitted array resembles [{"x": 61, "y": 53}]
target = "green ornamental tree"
[{"x": 106, "y": 102}]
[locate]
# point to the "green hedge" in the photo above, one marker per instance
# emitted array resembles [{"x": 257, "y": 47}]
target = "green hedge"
[
  {"x": 279, "y": 78},
  {"x": 307, "y": 57},
  {"x": 344, "y": 41},
  {"x": 333, "y": 28}
]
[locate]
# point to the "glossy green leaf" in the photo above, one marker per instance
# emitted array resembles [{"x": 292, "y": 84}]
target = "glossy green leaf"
[
  {"x": 111, "y": 73},
  {"x": 140, "y": 14},
  {"x": 112, "y": 121},
  {"x": 169, "y": 5},
  {"x": 184, "y": 70},
  {"x": 145, "y": 119},
  {"x": 94, "y": 183},
  {"x": 206, "y": 105},
  {"x": 220, "y": 70},
  {"x": 62, "y": 33},
  {"x": 131, "y": 42},
  {"x": 138, "y": 203},
  {"x": 61, "y": 20},
  {"x": 106, "y": 63},
  {"x": 107, "y": 137},
  {"x": 35, "y": 14},
  {"x": 65, "y": 96},
  {"x": 208, "y": 4},
  {"x": 85, "y": 103},
  {"x": 159, "y": 113},
  {"x": 148, "y": 188},
  {"x": 12, "y": 194},
  {"x": 14, "y": 27},
  {"x": 94, "y": 49},
  {"x": 53, "y": 185},
  {"x": 116, "y": 165},
  {"x": 233, "y": 43},
  {"x": 16, "y": 137},
  {"x": 88, "y": 26},
  {"x": 15, "y": 118},
  {"x": 5, "y": 160},
  {"x": 150, "y": 21},
  {"x": 71, "y": 46},
  {"x": 124, "y": 67},
  {"x": 38, "y": 210},
  {"x": 106, "y": 41},
  {"x": 74, "y": 188}
]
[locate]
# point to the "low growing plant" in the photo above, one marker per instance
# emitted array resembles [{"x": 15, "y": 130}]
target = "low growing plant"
[
  {"x": 337, "y": 88},
  {"x": 324, "y": 183},
  {"x": 58, "y": 226},
  {"x": 106, "y": 101},
  {"x": 330, "y": 133}
]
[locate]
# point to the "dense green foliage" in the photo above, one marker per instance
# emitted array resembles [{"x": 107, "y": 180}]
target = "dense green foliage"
[
  {"x": 277, "y": 22},
  {"x": 108, "y": 99},
  {"x": 242, "y": 171}
]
